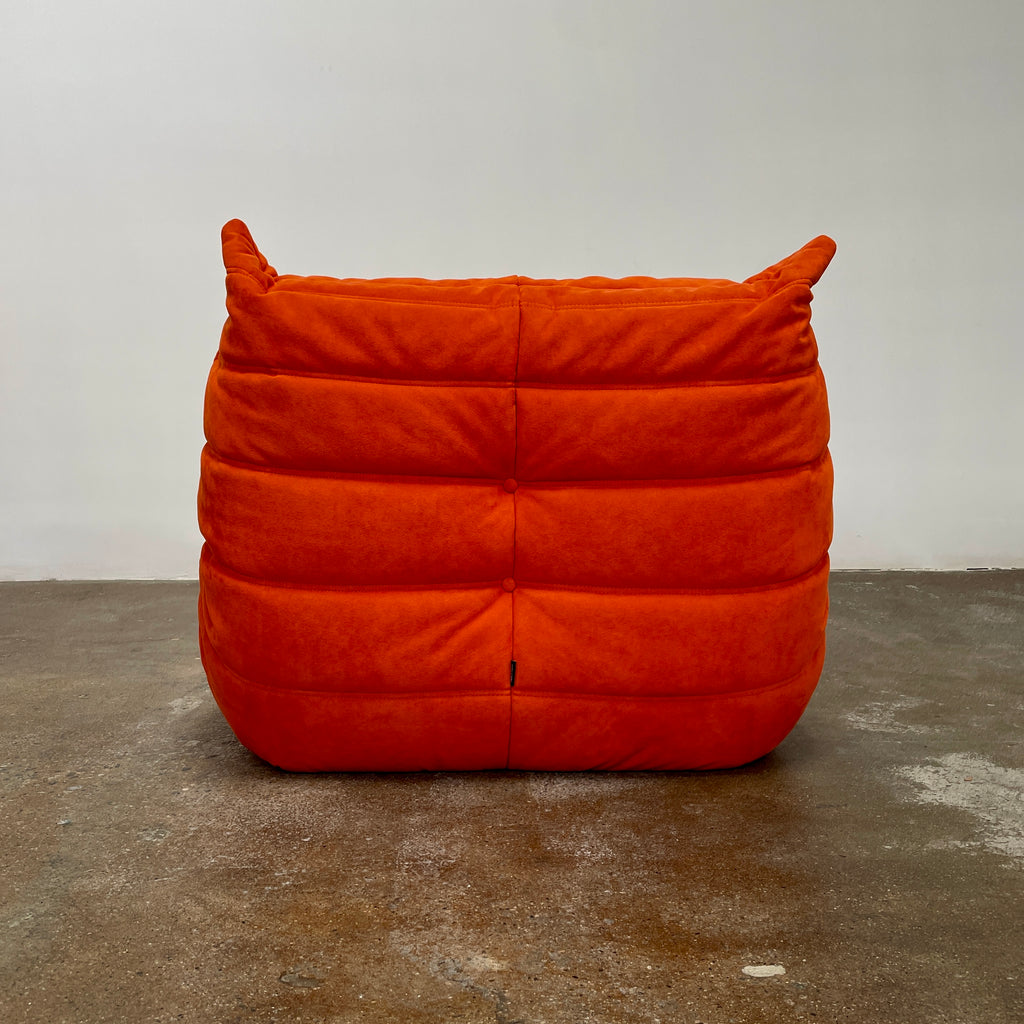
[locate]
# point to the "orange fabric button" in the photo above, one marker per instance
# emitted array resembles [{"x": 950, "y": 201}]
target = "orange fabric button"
[
  {"x": 508, "y": 584},
  {"x": 510, "y": 485}
]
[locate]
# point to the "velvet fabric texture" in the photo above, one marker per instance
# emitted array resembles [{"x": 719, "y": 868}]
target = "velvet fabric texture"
[{"x": 622, "y": 486}]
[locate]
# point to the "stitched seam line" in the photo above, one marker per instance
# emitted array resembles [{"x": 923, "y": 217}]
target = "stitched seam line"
[
  {"x": 758, "y": 588},
  {"x": 249, "y": 274},
  {"x": 442, "y": 304},
  {"x": 754, "y": 691},
  {"x": 637, "y": 305},
  {"x": 439, "y": 303},
  {"x": 277, "y": 371},
  {"x": 424, "y": 478},
  {"x": 602, "y": 483},
  {"x": 215, "y": 564},
  {"x": 515, "y": 507},
  {"x": 685, "y": 481},
  {"x": 278, "y": 285},
  {"x": 751, "y": 300},
  {"x": 779, "y": 378}
]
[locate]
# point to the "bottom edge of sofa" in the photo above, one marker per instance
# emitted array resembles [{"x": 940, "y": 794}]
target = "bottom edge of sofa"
[
  {"x": 304, "y": 731},
  {"x": 566, "y": 732}
]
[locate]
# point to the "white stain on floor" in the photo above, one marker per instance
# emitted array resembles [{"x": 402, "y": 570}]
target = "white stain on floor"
[
  {"x": 426, "y": 855},
  {"x": 182, "y": 705},
  {"x": 582, "y": 842},
  {"x": 880, "y": 716},
  {"x": 764, "y": 970},
  {"x": 992, "y": 794},
  {"x": 556, "y": 787},
  {"x": 993, "y": 613},
  {"x": 481, "y": 963}
]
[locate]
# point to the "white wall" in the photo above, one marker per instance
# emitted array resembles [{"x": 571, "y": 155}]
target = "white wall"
[{"x": 470, "y": 138}]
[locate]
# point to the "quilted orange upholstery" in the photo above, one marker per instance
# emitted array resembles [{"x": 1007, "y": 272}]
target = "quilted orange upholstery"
[{"x": 623, "y": 487}]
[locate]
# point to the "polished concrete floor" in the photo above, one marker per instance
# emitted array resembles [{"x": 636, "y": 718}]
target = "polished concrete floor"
[{"x": 152, "y": 870}]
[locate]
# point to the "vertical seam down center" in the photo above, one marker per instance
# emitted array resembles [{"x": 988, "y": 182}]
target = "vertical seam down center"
[{"x": 515, "y": 475}]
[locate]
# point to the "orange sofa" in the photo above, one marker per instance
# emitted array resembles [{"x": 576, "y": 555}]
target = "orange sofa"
[{"x": 536, "y": 524}]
